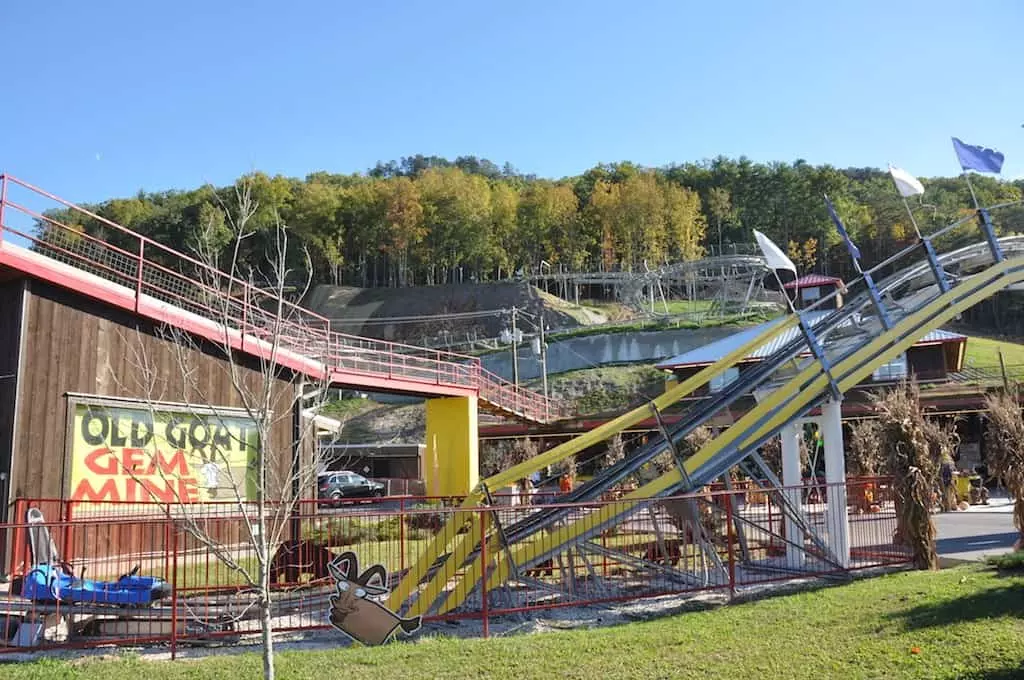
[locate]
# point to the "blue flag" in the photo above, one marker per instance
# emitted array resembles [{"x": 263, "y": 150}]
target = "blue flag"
[
  {"x": 854, "y": 250},
  {"x": 978, "y": 157}
]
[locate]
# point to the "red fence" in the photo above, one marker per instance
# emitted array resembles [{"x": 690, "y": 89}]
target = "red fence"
[
  {"x": 717, "y": 540},
  {"x": 153, "y": 279}
]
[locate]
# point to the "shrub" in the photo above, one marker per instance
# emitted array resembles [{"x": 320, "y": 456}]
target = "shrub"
[
  {"x": 1013, "y": 561},
  {"x": 426, "y": 521}
]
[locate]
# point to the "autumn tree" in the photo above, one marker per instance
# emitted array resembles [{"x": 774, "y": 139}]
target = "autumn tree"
[
  {"x": 403, "y": 226},
  {"x": 427, "y": 219},
  {"x": 684, "y": 222},
  {"x": 720, "y": 209}
]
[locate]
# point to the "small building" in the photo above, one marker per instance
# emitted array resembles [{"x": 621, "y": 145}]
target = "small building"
[
  {"x": 930, "y": 359},
  {"x": 813, "y": 287},
  {"x": 379, "y": 461}
]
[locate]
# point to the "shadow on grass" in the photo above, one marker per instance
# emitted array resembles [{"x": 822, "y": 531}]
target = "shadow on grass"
[
  {"x": 1014, "y": 673},
  {"x": 1007, "y": 600}
]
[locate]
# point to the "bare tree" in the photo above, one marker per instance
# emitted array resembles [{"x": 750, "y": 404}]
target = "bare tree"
[
  {"x": 866, "y": 454},
  {"x": 501, "y": 455},
  {"x": 616, "y": 451},
  {"x": 266, "y": 397}
]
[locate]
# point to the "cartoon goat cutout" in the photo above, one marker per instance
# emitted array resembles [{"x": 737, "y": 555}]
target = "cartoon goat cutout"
[{"x": 362, "y": 619}]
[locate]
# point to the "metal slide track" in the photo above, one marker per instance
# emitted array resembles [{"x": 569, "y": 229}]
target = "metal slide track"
[
  {"x": 840, "y": 333},
  {"x": 787, "y": 402}
]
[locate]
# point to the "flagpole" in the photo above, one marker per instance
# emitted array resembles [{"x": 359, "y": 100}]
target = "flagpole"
[
  {"x": 910, "y": 214},
  {"x": 970, "y": 186},
  {"x": 782, "y": 288}
]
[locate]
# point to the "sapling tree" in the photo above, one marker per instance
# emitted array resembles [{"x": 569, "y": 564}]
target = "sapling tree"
[{"x": 265, "y": 395}]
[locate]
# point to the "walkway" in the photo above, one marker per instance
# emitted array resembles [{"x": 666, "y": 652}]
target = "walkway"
[
  {"x": 973, "y": 534},
  {"x": 120, "y": 267}
]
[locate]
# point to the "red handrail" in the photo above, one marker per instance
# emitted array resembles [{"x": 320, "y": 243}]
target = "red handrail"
[{"x": 234, "y": 304}]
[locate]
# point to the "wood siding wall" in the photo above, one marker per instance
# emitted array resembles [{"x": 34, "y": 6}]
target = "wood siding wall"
[
  {"x": 77, "y": 345},
  {"x": 11, "y": 293}
]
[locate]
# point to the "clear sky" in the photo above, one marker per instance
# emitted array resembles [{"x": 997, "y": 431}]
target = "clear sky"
[{"x": 102, "y": 99}]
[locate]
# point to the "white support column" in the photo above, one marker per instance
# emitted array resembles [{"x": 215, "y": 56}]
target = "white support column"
[
  {"x": 792, "y": 476},
  {"x": 836, "y": 514}
]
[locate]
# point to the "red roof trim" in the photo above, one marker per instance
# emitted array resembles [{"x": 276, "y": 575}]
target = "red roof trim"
[{"x": 812, "y": 280}]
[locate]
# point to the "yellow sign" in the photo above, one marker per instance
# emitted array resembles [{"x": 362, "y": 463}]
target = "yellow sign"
[{"x": 142, "y": 455}]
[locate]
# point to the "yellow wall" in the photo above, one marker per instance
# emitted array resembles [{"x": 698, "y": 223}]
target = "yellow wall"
[{"x": 451, "y": 461}]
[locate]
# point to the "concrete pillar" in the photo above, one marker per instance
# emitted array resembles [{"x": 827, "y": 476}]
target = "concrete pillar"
[
  {"x": 836, "y": 513},
  {"x": 792, "y": 476},
  {"x": 452, "y": 463}
]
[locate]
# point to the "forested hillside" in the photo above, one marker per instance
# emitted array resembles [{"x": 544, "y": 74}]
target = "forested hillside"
[{"x": 428, "y": 220}]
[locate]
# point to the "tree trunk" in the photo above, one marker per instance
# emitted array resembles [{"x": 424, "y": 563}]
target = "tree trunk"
[{"x": 267, "y": 625}]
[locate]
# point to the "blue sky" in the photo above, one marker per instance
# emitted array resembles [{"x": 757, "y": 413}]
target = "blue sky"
[{"x": 102, "y": 98}]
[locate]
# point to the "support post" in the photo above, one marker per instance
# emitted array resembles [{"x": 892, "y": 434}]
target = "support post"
[
  {"x": 836, "y": 512},
  {"x": 544, "y": 363},
  {"x": 730, "y": 537},
  {"x": 989, "y": 230},
  {"x": 3, "y": 202},
  {"x": 452, "y": 442},
  {"x": 515, "y": 350},
  {"x": 792, "y": 479},
  {"x": 933, "y": 262}
]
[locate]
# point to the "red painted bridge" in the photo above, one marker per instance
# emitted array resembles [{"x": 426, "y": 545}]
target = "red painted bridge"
[{"x": 130, "y": 271}]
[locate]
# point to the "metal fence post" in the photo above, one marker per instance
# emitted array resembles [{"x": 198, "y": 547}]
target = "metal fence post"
[
  {"x": 730, "y": 539},
  {"x": 174, "y": 595},
  {"x": 3, "y": 201},
  {"x": 138, "y": 274},
  {"x": 67, "y": 550},
  {"x": 483, "y": 572},
  {"x": 401, "y": 535}
]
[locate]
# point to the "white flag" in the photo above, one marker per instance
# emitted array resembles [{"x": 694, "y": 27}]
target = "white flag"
[
  {"x": 773, "y": 256},
  {"x": 906, "y": 183}
]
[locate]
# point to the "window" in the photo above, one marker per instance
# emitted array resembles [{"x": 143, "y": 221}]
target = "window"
[
  {"x": 724, "y": 379},
  {"x": 812, "y": 293},
  {"x": 892, "y": 371}
]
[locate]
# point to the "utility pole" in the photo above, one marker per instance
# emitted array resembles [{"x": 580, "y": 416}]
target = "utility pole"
[
  {"x": 544, "y": 356},
  {"x": 515, "y": 349}
]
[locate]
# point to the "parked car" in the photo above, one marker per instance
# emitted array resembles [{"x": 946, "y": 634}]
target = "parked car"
[{"x": 334, "y": 487}]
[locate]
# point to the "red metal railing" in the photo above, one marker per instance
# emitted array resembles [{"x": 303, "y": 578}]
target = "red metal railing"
[
  {"x": 723, "y": 541},
  {"x": 156, "y": 280}
]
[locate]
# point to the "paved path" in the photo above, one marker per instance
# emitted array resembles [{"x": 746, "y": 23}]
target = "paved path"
[{"x": 972, "y": 534}]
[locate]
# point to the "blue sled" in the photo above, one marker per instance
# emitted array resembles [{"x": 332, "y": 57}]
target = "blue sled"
[{"x": 49, "y": 583}]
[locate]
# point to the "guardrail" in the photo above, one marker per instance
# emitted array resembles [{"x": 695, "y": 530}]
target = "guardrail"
[{"x": 157, "y": 276}]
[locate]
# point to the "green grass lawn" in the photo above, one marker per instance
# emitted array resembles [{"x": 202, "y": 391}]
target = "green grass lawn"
[
  {"x": 685, "y": 306},
  {"x": 965, "y": 622},
  {"x": 984, "y": 353}
]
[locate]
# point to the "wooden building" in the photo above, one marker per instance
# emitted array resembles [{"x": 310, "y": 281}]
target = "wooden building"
[
  {"x": 807, "y": 290},
  {"x": 930, "y": 359},
  {"x": 76, "y": 371}
]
